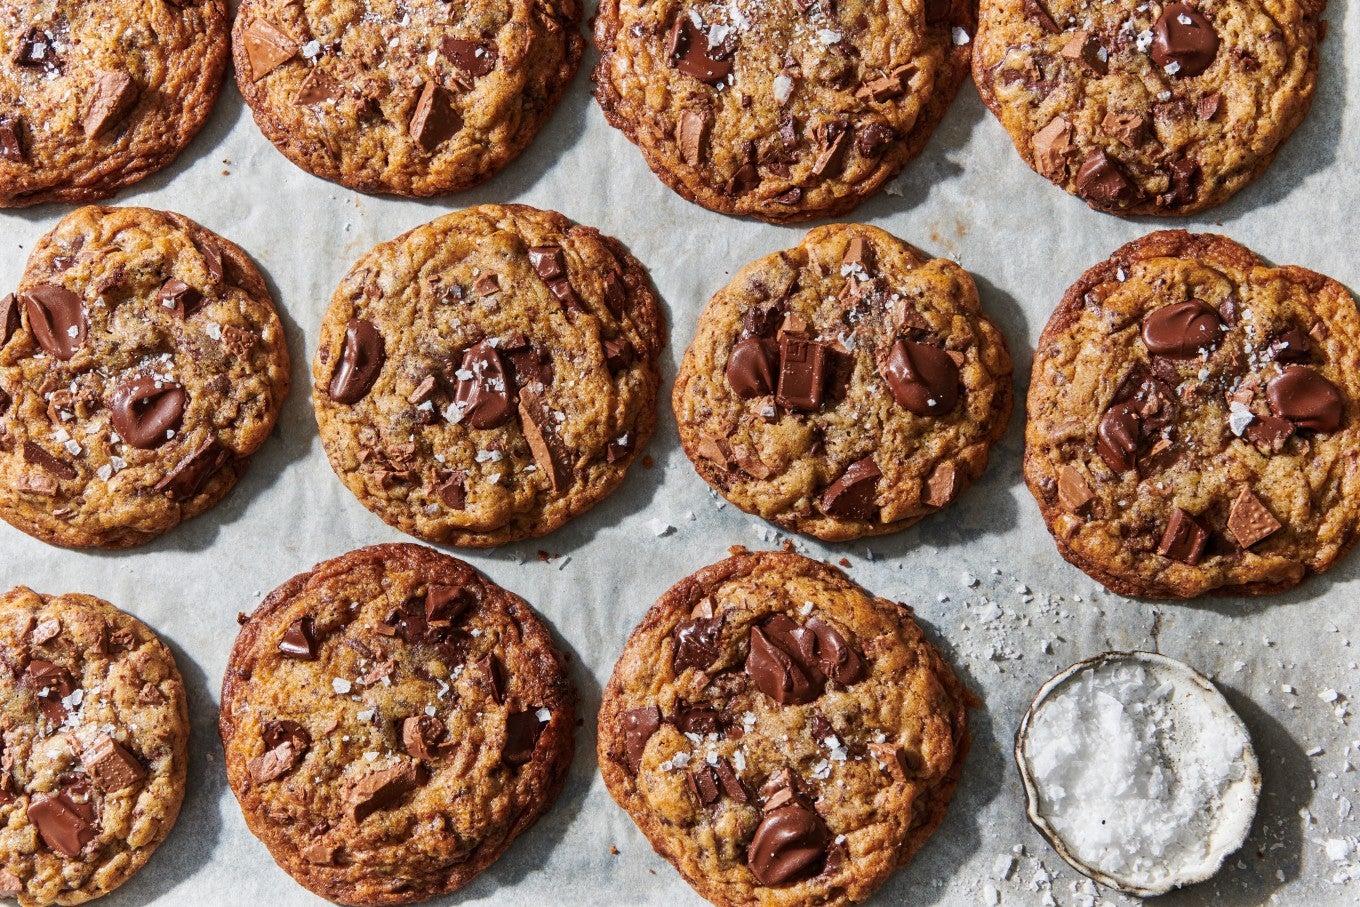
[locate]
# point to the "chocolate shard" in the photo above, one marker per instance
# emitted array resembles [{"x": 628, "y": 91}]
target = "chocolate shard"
[
  {"x": 542, "y": 444},
  {"x": 267, "y": 48},
  {"x": 445, "y": 604},
  {"x": 687, "y": 49},
  {"x": 703, "y": 784},
  {"x": 1184, "y": 539},
  {"x": 1131, "y": 129},
  {"x": 9, "y": 317},
  {"x": 1074, "y": 492},
  {"x": 491, "y": 675},
  {"x": 453, "y": 490},
  {"x": 384, "y": 789},
  {"x": 854, "y": 496},
  {"x": 318, "y": 88},
  {"x": 1117, "y": 437},
  {"x": 435, "y": 120},
  {"x": 39, "y": 456},
  {"x": 691, "y": 133},
  {"x": 1103, "y": 182},
  {"x": 1052, "y": 145},
  {"x": 112, "y": 97},
  {"x": 360, "y": 363},
  {"x": 299, "y": 640},
  {"x": 177, "y": 295},
  {"x": 1268, "y": 433},
  {"x": 65, "y": 823},
  {"x": 274, "y": 763},
  {"x": 789, "y": 844},
  {"x": 146, "y": 411},
  {"x": 638, "y": 727},
  {"x": 548, "y": 262},
  {"x": 730, "y": 781},
  {"x": 522, "y": 730},
  {"x": 194, "y": 472},
  {"x": 942, "y": 485},
  {"x": 1249, "y": 520},
  {"x": 111, "y": 765},
  {"x": 50, "y": 684},
  {"x": 280, "y": 731},
  {"x": 57, "y": 318}
]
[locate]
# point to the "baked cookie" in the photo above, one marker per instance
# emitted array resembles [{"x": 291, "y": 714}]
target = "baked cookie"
[
  {"x": 785, "y": 110},
  {"x": 1148, "y": 108},
  {"x": 141, "y": 364},
  {"x": 843, "y": 388},
  {"x": 95, "y": 735},
  {"x": 1192, "y": 420},
  {"x": 411, "y": 97},
  {"x": 96, "y": 96},
  {"x": 392, "y": 722},
  {"x": 780, "y": 735},
  {"x": 488, "y": 376}
]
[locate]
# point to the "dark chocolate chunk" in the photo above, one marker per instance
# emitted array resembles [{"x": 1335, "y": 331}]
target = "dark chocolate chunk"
[
  {"x": 697, "y": 643},
  {"x": 802, "y": 373},
  {"x": 280, "y": 731},
  {"x": 777, "y": 673},
  {"x": 873, "y": 138},
  {"x": 1292, "y": 345},
  {"x": 453, "y": 490},
  {"x": 703, "y": 784},
  {"x": 38, "y": 455},
  {"x": 638, "y": 727},
  {"x": 923, "y": 378},
  {"x": 1184, "y": 539},
  {"x": 1184, "y": 43},
  {"x": 789, "y": 844},
  {"x": 384, "y": 789},
  {"x": 549, "y": 262},
  {"x": 146, "y": 411},
  {"x": 50, "y": 684},
  {"x": 484, "y": 393},
  {"x": 193, "y": 472},
  {"x": 179, "y": 296},
  {"x": 56, "y": 316},
  {"x": 445, "y": 604},
  {"x": 360, "y": 363},
  {"x": 731, "y": 783},
  {"x": 492, "y": 676},
  {"x": 687, "y": 48},
  {"x": 476, "y": 58},
  {"x": 9, "y": 317},
  {"x": 697, "y": 720},
  {"x": 1306, "y": 398},
  {"x": 751, "y": 367},
  {"x": 522, "y": 730},
  {"x": 618, "y": 354},
  {"x": 1182, "y": 330},
  {"x": 836, "y": 658},
  {"x": 299, "y": 640},
  {"x": 435, "y": 120},
  {"x": 11, "y": 139},
  {"x": 34, "y": 48},
  {"x": 854, "y": 496},
  {"x": 1117, "y": 437},
  {"x": 1102, "y": 180}
]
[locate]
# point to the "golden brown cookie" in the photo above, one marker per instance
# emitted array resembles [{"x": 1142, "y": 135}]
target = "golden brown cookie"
[
  {"x": 411, "y": 97},
  {"x": 488, "y": 376},
  {"x": 96, "y": 96},
  {"x": 780, "y": 735},
  {"x": 1148, "y": 108},
  {"x": 785, "y": 110},
  {"x": 392, "y": 722},
  {"x": 1192, "y": 420},
  {"x": 846, "y": 387},
  {"x": 94, "y": 732},
  {"x": 141, "y": 364}
]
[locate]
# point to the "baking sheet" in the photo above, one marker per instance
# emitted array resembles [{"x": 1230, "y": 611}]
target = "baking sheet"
[{"x": 983, "y": 576}]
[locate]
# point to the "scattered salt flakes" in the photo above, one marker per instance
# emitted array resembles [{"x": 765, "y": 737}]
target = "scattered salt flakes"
[
  {"x": 1144, "y": 40},
  {"x": 1172, "y": 68},
  {"x": 1004, "y": 866},
  {"x": 366, "y": 715},
  {"x": 989, "y": 895},
  {"x": 717, "y": 34},
  {"x": 371, "y": 755},
  {"x": 488, "y": 456},
  {"x": 689, "y": 515},
  {"x": 805, "y": 609},
  {"x": 73, "y": 447},
  {"x": 213, "y": 330},
  {"x": 453, "y": 414},
  {"x": 1121, "y": 276},
  {"x": 1287, "y": 688},
  {"x": 970, "y": 580},
  {"x": 960, "y": 36},
  {"x": 681, "y": 759},
  {"x": 822, "y": 770},
  {"x": 430, "y": 710},
  {"x": 748, "y": 720},
  {"x": 1238, "y": 666},
  {"x": 1328, "y": 695},
  {"x": 1021, "y": 589},
  {"x": 73, "y": 331},
  {"x": 493, "y": 478},
  {"x": 990, "y": 612},
  {"x": 1183, "y": 19},
  {"x": 840, "y": 839},
  {"x": 61, "y": 436},
  {"x": 1337, "y": 849},
  {"x": 660, "y": 528},
  {"x": 826, "y": 35},
  {"x": 783, "y": 88},
  {"x": 1239, "y": 417},
  {"x": 464, "y": 374},
  {"x": 1315, "y": 751},
  {"x": 104, "y": 472},
  {"x": 341, "y": 686},
  {"x": 739, "y": 760},
  {"x": 543, "y": 715}
]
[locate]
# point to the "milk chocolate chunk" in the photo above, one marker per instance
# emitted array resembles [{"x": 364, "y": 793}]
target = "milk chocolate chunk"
[
  {"x": 923, "y": 378},
  {"x": 1052, "y": 145},
  {"x": 484, "y": 393},
  {"x": 360, "y": 362},
  {"x": 434, "y": 120},
  {"x": 697, "y": 643},
  {"x": 691, "y": 133},
  {"x": 522, "y": 730},
  {"x": 802, "y": 373},
  {"x": 299, "y": 640},
  {"x": 751, "y": 367},
  {"x": 319, "y": 87},
  {"x": 280, "y": 731},
  {"x": 638, "y": 727},
  {"x": 871, "y": 139},
  {"x": 1102, "y": 180},
  {"x": 65, "y": 823},
  {"x": 1074, "y": 492},
  {"x": 10, "y": 884},
  {"x": 1086, "y": 48},
  {"x": 267, "y": 48},
  {"x": 942, "y": 485},
  {"x": 1306, "y": 398},
  {"x": 1131, "y": 129},
  {"x": 1117, "y": 437},
  {"x": 777, "y": 674},
  {"x": 618, "y": 354},
  {"x": 549, "y": 262},
  {"x": 50, "y": 684},
  {"x": 789, "y": 844},
  {"x": 39, "y": 456},
  {"x": 146, "y": 411},
  {"x": 111, "y": 765},
  {"x": 112, "y": 97},
  {"x": 9, "y": 317},
  {"x": 384, "y": 789},
  {"x": 687, "y": 49},
  {"x": 475, "y": 58},
  {"x": 421, "y": 735},
  {"x": 179, "y": 296},
  {"x": 56, "y": 316},
  {"x": 854, "y": 496},
  {"x": 1184, "y": 42},
  {"x": 193, "y": 472},
  {"x": 1182, "y": 330},
  {"x": 1249, "y": 521},
  {"x": 489, "y": 284},
  {"x": 212, "y": 257},
  {"x": 445, "y": 604},
  {"x": 1036, "y": 12},
  {"x": 836, "y": 658},
  {"x": 11, "y": 139},
  {"x": 274, "y": 763},
  {"x": 1184, "y": 539}
]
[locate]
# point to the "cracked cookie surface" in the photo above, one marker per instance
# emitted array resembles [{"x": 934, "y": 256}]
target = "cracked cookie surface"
[
  {"x": 780, "y": 735},
  {"x": 1148, "y": 108},
  {"x": 141, "y": 364},
  {"x": 1192, "y": 420},
  {"x": 489, "y": 375},
  {"x": 843, "y": 388},
  {"x": 392, "y": 722},
  {"x": 780, "y": 109},
  {"x": 410, "y": 97},
  {"x": 96, "y": 96},
  {"x": 95, "y": 736}
]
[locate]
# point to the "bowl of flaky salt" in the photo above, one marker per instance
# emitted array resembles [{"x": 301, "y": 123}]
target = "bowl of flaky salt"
[{"x": 1138, "y": 772}]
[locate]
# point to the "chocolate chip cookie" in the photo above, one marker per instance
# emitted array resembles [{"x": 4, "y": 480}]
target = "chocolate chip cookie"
[
  {"x": 392, "y": 722},
  {"x": 784, "y": 110},
  {"x": 843, "y": 388},
  {"x": 96, "y": 96},
  {"x": 141, "y": 364},
  {"x": 411, "y": 97},
  {"x": 1148, "y": 108},
  {"x": 488, "y": 376},
  {"x": 780, "y": 735},
  {"x": 1192, "y": 420},
  {"x": 94, "y": 734}
]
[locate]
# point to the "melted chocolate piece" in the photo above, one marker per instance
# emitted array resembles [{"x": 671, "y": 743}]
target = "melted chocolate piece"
[
  {"x": 360, "y": 363},
  {"x": 476, "y": 58},
  {"x": 1183, "y": 329},
  {"x": 485, "y": 396},
  {"x": 57, "y": 318},
  {"x": 1102, "y": 180},
  {"x": 687, "y": 48},
  {"x": 65, "y": 820},
  {"x": 50, "y": 684},
  {"x": 789, "y": 844},
  {"x": 299, "y": 640},
  {"x": 638, "y": 727},
  {"x": 923, "y": 378},
  {"x": 435, "y": 120},
  {"x": 777, "y": 673},
  {"x": 1117, "y": 437},
  {"x": 854, "y": 496},
  {"x": 1306, "y": 398},
  {"x": 1184, "y": 43},
  {"x": 751, "y": 367},
  {"x": 146, "y": 411},
  {"x": 697, "y": 720},
  {"x": 836, "y": 658}
]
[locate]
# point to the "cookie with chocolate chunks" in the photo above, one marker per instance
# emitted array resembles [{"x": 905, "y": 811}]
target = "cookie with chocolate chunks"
[
  {"x": 94, "y": 731},
  {"x": 408, "y": 97},
  {"x": 784, "y": 110},
  {"x": 383, "y": 768},
  {"x": 1193, "y": 418},
  {"x": 488, "y": 376},
  {"x": 145, "y": 365},
  {"x": 1148, "y": 108},
  {"x": 96, "y": 96},
  {"x": 843, "y": 388},
  {"x": 831, "y": 734}
]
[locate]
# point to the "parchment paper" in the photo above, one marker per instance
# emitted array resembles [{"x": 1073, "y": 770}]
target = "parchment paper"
[{"x": 983, "y": 576}]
